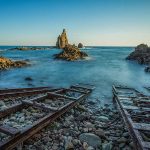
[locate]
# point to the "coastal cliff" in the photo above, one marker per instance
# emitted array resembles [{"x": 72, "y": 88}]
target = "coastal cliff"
[
  {"x": 69, "y": 52},
  {"x": 6, "y": 63}
]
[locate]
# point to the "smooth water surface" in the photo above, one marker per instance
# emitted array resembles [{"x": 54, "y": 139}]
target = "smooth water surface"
[{"x": 104, "y": 67}]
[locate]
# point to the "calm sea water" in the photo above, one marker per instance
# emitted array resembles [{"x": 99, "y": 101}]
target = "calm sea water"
[{"x": 105, "y": 66}]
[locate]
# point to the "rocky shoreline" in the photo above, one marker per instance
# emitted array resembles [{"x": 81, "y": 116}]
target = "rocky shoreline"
[
  {"x": 141, "y": 54},
  {"x": 86, "y": 127},
  {"x": 6, "y": 63}
]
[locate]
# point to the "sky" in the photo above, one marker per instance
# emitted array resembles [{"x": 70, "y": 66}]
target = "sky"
[{"x": 91, "y": 22}]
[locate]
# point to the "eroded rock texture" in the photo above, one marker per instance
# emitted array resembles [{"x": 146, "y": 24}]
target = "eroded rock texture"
[{"x": 62, "y": 40}]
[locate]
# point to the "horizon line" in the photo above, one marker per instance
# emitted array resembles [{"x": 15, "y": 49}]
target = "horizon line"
[{"x": 84, "y": 45}]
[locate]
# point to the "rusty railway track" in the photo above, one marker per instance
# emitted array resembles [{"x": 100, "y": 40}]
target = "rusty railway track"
[
  {"x": 24, "y": 91},
  {"x": 135, "y": 110},
  {"x": 63, "y": 99}
]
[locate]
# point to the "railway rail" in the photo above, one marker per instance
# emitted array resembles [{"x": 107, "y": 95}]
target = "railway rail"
[
  {"x": 24, "y": 91},
  {"x": 135, "y": 110},
  {"x": 20, "y": 122}
]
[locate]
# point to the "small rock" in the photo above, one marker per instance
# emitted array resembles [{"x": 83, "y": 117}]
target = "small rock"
[
  {"x": 103, "y": 118},
  {"x": 100, "y": 133},
  {"x": 107, "y": 146},
  {"x": 122, "y": 140},
  {"x": 85, "y": 145},
  {"x": 91, "y": 139}
]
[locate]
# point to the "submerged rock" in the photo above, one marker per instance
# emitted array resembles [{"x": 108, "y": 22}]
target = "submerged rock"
[
  {"x": 147, "y": 69},
  {"x": 6, "y": 63},
  {"x": 71, "y": 53},
  {"x": 62, "y": 40},
  {"x": 28, "y": 79},
  {"x": 141, "y": 54}
]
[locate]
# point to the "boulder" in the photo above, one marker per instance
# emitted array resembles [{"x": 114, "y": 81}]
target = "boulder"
[
  {"x": 62, "y": 40},
  {"x": 91, "y": 139},
  {"x": 71, "y": 53},
  {"x": 6, "y": 63},
  {"x": 80, "y": 45},
  {"x": 141, "y": 54}
]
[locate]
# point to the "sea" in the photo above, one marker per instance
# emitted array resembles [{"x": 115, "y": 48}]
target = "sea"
[{"x": 105, "y": 66}]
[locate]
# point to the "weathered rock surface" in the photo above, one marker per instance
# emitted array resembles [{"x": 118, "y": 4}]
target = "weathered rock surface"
[
  {"x": 141, "y": 54},
  {"x": 91, "y": 139},
  {"x": 80, "y": 45},
  {"x": 6, "y": 63},
  {"x": 71, "y": 53},
  {"x": 62, "y": 40}
]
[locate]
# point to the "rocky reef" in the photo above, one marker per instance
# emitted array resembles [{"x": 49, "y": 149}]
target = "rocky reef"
[
  {"x": 71, "y": 53},
  {"x": 62, "y": 40},
  {"x": 25, "y": 48},
  {"x": 141, "y": 54},
  {"x": 6, "y": 63}
]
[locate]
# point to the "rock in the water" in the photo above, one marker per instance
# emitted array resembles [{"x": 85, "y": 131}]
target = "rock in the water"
[
  {"x": 6, "y": 63},
  {"x": 141, "y": 54},
  {"x": 91, "y": 139},
  {"x": 71, "y": 53},
  {"x": 147, "y": 69},
  {"x": 80, "y": 45},
  {"x": 28, "y": 79},
  {"x": 62, "y": 40}
]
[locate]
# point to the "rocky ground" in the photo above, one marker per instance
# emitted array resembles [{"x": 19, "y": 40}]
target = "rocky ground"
[
  {"x": 24, "y": 118},
  {"x": 6, "y": 63},
  {"x": 10, "y": 101},
  {"x": 71, "y": 53},
  {"x": 86, "y": 127}
]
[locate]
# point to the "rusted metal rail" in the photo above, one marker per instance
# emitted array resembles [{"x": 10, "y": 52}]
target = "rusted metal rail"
[
  {"x": 135, "y": 110},
  {"x": 24, "y": 91},
  {"x": 70, "y": 98}
]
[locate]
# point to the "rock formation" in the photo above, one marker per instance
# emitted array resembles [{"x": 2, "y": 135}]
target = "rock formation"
[
  {"x": 141, "y": 54},
  {"x": 6, "y": 63},
  {"x": 62, "y": 40},
  {"x": 71, "y": 53},
  {"x": 80, "y": 45}
]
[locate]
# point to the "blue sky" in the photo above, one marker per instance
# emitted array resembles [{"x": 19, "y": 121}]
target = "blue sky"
[{"x": 92, "y": 22}]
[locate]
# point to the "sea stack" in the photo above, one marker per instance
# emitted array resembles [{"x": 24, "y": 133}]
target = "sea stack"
[
  {"x": 62, "y": 40},
  {"x": 70, "y": 52}
]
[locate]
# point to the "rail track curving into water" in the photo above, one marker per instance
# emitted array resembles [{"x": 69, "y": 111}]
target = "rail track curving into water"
[{"x": 35, "y": 109}]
